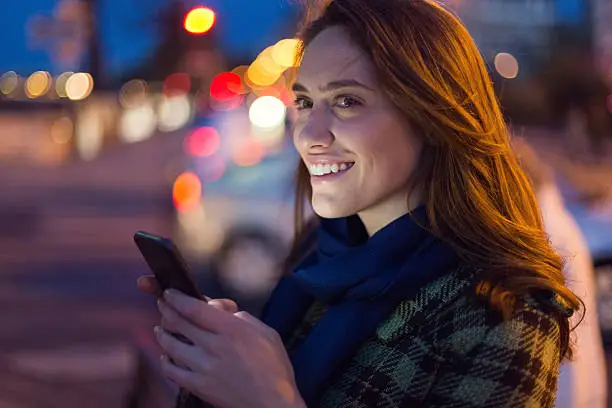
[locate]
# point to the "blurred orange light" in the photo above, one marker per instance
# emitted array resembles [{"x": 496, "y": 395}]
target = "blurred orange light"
[
  {"x": 187, "y": 191},
  {"x": 248, "y": 153},
  {"x": 241, "y": 71},
  {"x": 38, "y": 84},
  {"x": 223, "y": 85},
  {"x": 203, "y": 142},
  {"x": 177, "y": 84},
  {"x": 199, "y": 20},
  {"x": 285, "y": 52}
]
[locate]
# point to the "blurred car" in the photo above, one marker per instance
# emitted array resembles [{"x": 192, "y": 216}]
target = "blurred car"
[{"x": 239, "y": 230}]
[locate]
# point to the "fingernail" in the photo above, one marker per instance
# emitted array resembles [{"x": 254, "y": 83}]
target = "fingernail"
[{"x": 169, "y": 294}]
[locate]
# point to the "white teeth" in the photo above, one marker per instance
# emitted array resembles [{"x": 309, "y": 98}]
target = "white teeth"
[{"x": 323, "y": 169}]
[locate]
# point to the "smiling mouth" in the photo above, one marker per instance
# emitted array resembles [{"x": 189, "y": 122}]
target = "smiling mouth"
[{"x": 320, "y": 170}]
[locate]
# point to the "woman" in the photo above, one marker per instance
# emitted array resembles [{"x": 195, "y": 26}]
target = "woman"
[
  {"x": 583, "y": 381},
  {"x": 426, "y": 278}
]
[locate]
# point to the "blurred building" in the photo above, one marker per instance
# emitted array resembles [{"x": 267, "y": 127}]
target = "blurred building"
[
  {"x": 527, "y": 29},
  {"x": 602, "y": 27}
]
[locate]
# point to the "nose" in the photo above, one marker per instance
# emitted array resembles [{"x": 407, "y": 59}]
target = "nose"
[{"x": 314, "y": 132}]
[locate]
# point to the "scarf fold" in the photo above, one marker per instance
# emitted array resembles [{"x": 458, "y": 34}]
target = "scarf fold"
[{"x": 361, "y": 280}]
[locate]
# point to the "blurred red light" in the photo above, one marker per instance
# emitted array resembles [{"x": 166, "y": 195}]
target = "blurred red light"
[
  {"x": 225, "y": 86},
  {"x": 187, "y": 191},
  {"x": 203, "y": 142},
  {"x": 177, "y": 84}
]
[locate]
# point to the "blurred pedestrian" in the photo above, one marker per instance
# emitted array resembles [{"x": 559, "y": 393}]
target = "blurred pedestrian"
[
  {"x": 427, "y": 278},
  {"x": 582, "y": 382}
]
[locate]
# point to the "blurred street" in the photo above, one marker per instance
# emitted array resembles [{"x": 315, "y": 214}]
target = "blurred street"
[
  {"x": 71, "y": 315},
  {"x": 73, "y": 322}
]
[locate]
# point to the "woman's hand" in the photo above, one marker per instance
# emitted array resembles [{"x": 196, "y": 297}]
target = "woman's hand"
[{"x": 236, "y": 360}]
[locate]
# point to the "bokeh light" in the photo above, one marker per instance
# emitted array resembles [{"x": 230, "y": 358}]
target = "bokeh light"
[
  {"x": 267, "y": 112},
  {"x": 199, "y": 20},
  {"x": 248, "y": 152},
  {"x": 223, "y": 86},
  {"x": 9, "y": 82},
  {"x": 133, "y": 93},
  {"x": 241, "y": 71},
  {"x": 89, "y": 134},
  {"x": 62, "y": 130},
  {"x": 264, "y": 71},
  {"x": 203, "y": 142},
  {"x": 187, "y": 191},
  {"x": 506, "y": 65},
  {"x": 38, "y": 84},
  {"x": 60, "y": 84},
  {"x": 174, "y": 113},
  {"x": 138, "y": 124},
  {"x": 177, "y": 84},
  {"x": 284, "y": 53},
  {"x": 79, "y": 86}
]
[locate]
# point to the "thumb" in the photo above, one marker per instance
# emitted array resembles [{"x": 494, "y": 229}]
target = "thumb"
[{"x": 227, "y": 305}]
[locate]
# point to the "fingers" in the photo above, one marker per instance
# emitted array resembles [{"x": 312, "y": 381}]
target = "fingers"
[
  {"x": 148, "y": 284},
  {"x": 200, "y": 313},
  {"x": 224, "y": 304},
  {"x": 189, "y": 380},
  {"x": 175, "y": 323},
  {"x": 182, "y": 354}
]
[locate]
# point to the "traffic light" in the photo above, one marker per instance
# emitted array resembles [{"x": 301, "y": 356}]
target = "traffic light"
[{"x": 199, "y": 20}]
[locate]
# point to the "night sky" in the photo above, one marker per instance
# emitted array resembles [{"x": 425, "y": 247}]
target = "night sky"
[{"x": 248, "y": 27}]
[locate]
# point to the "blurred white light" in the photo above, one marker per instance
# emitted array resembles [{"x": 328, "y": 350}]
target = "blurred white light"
[
  {"x": 506, "y": 65},
  {"x": 9, "y": 82},
  {"x": 174, "y": 113},
  {"x": 267, "y": 112},
  {"x": 79, "y": 86},
  {"x": 133, "y": 93},
  {"x": 137, "y": 124},
  {"x": 90, "y": 134}
]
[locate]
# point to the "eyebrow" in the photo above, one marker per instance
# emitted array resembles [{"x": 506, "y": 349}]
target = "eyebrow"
[{"x": 344, "y": 83}]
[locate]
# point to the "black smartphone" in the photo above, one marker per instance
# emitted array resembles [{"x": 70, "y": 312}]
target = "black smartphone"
[{"x": 167, "y": 264}]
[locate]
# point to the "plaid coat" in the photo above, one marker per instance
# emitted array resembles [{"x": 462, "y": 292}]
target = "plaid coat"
[{"x": 447, "y": 348}]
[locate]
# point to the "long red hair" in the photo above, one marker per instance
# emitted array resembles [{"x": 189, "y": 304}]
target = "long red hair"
[{"x": 478, "y": 198}]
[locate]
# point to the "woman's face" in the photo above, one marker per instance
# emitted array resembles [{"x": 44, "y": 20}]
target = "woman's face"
[{"x": 359, "y": 150}]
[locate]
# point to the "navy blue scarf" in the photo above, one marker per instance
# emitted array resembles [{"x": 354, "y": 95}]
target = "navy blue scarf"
[{"x": 361, "y": 281}]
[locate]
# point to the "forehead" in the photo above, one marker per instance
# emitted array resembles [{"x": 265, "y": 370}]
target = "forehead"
[{"x": 332, "y": 56}]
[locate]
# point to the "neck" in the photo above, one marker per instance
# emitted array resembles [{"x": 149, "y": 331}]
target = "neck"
[{"x": 380, "y": 215}]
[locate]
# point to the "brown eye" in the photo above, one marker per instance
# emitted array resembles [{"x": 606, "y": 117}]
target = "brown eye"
[
  {"x": 348, "y": 102},
  {"x": 301, "y": 103}
]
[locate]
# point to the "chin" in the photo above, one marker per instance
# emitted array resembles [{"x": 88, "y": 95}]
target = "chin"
[{"x": 325, "y": 209}]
